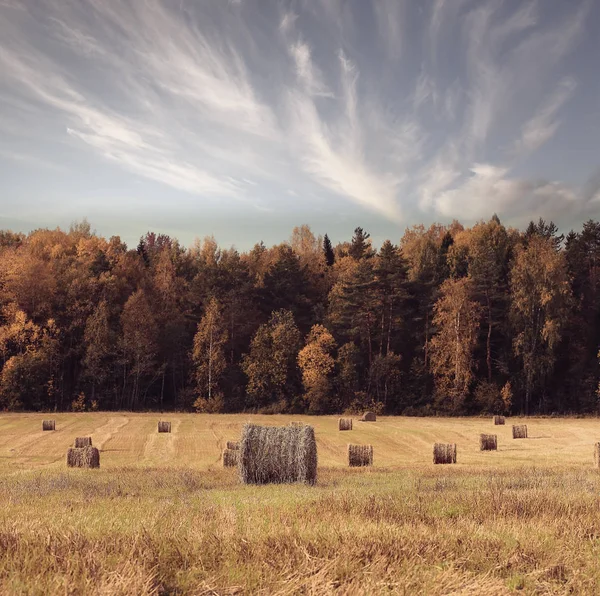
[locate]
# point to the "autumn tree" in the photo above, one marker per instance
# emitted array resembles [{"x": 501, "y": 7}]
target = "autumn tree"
[
  {"x": 456, "y": 318},
  {"x": 271, "y": 365},
  {"x": 139, "y": 348},
  {"x": 540, "y": 296},
  {"x": 208, "y": 356},
  {"x": 317, "y": 363}
]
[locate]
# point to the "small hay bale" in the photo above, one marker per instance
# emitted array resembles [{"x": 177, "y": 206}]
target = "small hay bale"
[
  {"x": 83, "y": 442},
  {"x": 233, "y": 445},
  {"x": 296, "y": 423},
  {"x": 519, "y": 431},
  {"x": 597, "y": 455},
  {"x": 499, "y": 420},
  {"x": 368, "y": 417},
  {"x": 48, "y": 425},
  {"x": 360, "y": 455},
  {"x": 278, "y": 454},
  {"x": 230, "y": 458},
  {"x": 345, "y": 424},
  {"x": 444, "y": 453},
  {"x": 83, "y": 457},
  {"x": 164, "y": 427},
  {"x": 488, "y": 442}
]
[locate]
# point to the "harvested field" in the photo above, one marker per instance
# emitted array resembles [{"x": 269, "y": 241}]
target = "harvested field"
[{"x": 161, "y": 515}]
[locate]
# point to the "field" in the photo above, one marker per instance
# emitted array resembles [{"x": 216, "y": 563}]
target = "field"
[{"x": 161, "y": 515}]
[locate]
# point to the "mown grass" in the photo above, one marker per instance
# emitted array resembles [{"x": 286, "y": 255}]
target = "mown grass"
[{"x": 442, "y": 530}]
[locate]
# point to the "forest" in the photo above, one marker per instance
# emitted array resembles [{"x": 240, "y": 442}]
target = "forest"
[{"x": 451, "y": 320}]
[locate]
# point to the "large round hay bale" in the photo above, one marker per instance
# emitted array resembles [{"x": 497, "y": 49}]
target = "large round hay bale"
[
  {"x": 345, "y": 424},
  {"x": 278, "y": 454},
  {"x": 233, "y": 445},
  {"x": 48, "y": 425},
  {"x": 360, "y": 455},
  {"x": 83, "y": 457},
  {"x": 230, "y": 458},
  {"x": 519, "y": 431},
  {"x": 83, "y": 442},
  {"x": 499, "y": 420},
  {"x": 164, "y": 427},
  {"x": 597, "y": 455},
  {"x": 444, "y": 453},
  {"x": 488, "y": 442},
  {"x": 369, "y": 417}
]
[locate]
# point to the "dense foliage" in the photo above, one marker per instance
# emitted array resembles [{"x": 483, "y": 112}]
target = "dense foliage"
[{"x": 453, "y": 319}]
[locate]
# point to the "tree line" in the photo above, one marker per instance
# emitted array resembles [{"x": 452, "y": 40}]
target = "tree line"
[{"x": 486, "y": 319}]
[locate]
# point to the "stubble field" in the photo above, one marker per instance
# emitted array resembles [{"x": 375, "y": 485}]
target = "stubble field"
[{"x": 161, "y": 515}]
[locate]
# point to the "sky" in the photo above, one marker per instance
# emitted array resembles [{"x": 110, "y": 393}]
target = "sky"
[{"x": 244, "y": 118}]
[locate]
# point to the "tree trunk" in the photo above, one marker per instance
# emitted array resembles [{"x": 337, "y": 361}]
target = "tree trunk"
[{"x": 488, "y": 345}]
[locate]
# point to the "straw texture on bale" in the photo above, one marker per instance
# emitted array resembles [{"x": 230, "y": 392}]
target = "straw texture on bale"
[
  {"x": 83, "y": 457},
  {"x": 520, "y": 431},
  {"x": 230, "y": 458},
  {"x": 597, "y": 455},
  {"x": 164, "y": 427},
  {"x": 278, "y": 454},
  {"x": 499, "y": 420},
  {"x": 345, "y": 424},
  {"x": 444, "y": 453},
  {"x": 488, "y": 442},
  {"x": 369, "y": 417},
  {"x": 360, "y": 455},
  {"x": 48, "y": 425},
  {"x": 233, "y": 445},
  {"x": 83, "y": 442}
]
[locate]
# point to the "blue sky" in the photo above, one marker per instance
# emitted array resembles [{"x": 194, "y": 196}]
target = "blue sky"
[{"x": 244, "y": 118}]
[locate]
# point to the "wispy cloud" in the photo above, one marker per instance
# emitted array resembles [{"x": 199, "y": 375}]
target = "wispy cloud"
[{"x": 433, "y": 103}]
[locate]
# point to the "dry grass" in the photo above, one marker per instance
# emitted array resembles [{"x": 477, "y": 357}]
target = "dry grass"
[
  {"x": 522, "y": 519},
  {"x": 488, "y": 442},
  {"x": 446, "y": 530},
  {"x": 444, "y": 453},
  {"x": 345, "y": 424}
]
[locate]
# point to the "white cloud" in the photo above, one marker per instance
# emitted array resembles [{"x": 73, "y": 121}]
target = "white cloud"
[
  {"x": 231, "y": 101},
  {"x": 542, "y": 127}
]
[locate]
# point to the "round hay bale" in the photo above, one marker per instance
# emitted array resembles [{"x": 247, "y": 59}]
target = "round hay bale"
[
  {"x": 499, "y": 420},
  {"x": 48, "y": 425},
  {"x": 296, "y": 423},
  {"x": 345, "y": 424},
  {"x": 230, "y": 458},
  {"x": 444, "y": 453},
  {"x": 83, "y": 442},
  {"x": 164, "y": 427},
  {"x": 597, "y": 455},
  {"x": 278, "y": 454},
  {"x": 369, "y": 417},
  {"x": 488, "y": 442},
  {"x": 83, "y": 457},
  {"x": 233, "y": 445},
  {"x": 360, "y": 455},
  {"x": 519, "y": 431}
]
